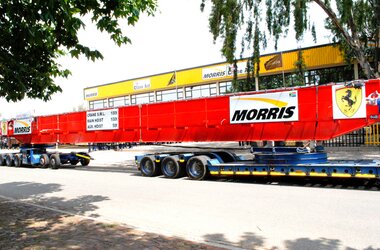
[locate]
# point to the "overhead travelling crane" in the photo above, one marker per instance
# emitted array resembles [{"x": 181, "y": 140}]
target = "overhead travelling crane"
[{"x": 309, "y": 113}]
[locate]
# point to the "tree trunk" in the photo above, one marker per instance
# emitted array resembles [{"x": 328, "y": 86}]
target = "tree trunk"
[
  {"x": 355, "y": 43},
  {"x": 363, "y": 61}
]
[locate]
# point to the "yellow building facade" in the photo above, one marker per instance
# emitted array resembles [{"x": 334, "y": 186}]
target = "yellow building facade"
[{"x": 211, "y": 80}]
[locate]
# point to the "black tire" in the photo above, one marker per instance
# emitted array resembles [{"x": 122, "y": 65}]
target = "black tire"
[
  {"x": 55, "y": 161},
  {"x": 44, "y": 161},
  {"x": 9, "y": 160},
  {"x": 74, "y": 162},
  {"x": 2, "y": 160},
  {"x": 83, "y": 161},
  {"x": 148, "y": 167},
  {"x": 171, "y": 168},
  {"x": 17, "y": 160},
  {"x": 196, "y": 167}
]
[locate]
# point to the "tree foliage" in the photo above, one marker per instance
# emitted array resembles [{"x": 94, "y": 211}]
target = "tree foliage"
[
  {"x": 34, "y": 33},
  {"x": 354, "y": 24},
  {"x": 300, "y": 67}
]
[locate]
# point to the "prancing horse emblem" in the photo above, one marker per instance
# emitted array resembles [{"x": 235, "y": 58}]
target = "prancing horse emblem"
[{"x": 348, "y": 100}]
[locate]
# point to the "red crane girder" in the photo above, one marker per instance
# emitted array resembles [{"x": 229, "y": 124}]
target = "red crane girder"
[{"x": 305, "y": 113}]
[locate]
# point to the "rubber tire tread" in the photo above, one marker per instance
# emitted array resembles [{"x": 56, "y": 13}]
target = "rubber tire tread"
[
  {"x": 2, "y": 160},
  {"x": 203, "y": 159},
  {"x": 156, "y": 168},
  {"x": 180, "y": 169},
  {"x": 9, "y": 160},
  {"x": 47, "y": 161},
  {"x": 73, "y": 163},
  {"x": 17, "y": 161},
  {"x": 57, "y": 161},
  {"x": 84, "y": 162}
]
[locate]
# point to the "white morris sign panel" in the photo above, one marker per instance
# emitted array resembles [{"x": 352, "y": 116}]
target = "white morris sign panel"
[
  {"x": 22, "y": 126},
  {"x": 267, "y": 107}
]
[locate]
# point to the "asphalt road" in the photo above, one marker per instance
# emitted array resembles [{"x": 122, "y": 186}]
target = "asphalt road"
[{"x": 233, "y": 213}]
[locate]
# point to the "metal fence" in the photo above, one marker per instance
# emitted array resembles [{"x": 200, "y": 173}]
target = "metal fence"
[
  {"x": 372, "y": 135},
  {"x": 368, "y": 136}
]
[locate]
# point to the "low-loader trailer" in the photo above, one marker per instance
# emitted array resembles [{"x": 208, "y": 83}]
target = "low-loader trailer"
[
  {"x": 38, "y": 155},
  {"x": 276, "y": 161},
  {"x": 310, "y": 113}
]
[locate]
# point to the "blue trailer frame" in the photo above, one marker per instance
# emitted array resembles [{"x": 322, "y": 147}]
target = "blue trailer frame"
[
  {"x": 276, "y": 161},
  {"x": 37, "y": 155}
]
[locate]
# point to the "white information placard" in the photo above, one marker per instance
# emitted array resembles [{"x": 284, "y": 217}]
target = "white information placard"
[{"x": 103, "y": 119}]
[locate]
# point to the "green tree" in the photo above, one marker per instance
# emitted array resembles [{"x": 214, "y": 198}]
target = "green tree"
[
  {"x": 34, "y": 33},
  {"x": 355, "y": 24},
  {"x": 300, "y": 68}
]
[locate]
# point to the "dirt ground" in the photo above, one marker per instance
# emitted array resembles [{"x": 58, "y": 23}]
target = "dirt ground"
[{"x": 24, "y": 226}]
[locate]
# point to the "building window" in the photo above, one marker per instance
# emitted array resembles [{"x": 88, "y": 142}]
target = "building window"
[
  {"x": 151, "y": 97},
  {"x": 91, "y": 105},
  {"x": 213, "y": 89},
  {"x": 111, "y": 102},
  {"x": 195, "y": 91},
  {"x": 205, "y": 91},
  {"x": 142, "y": 98},
  {"x": 311, "y": 77},
  {"x": 159, "y": 96},
  {"x": 117, "y": 102},
  {"x": 126, "y": 100},
  {"x": 200, "y": 91},
  {"x": 133, "y": 99},
  {"x": 179, "y": 94},
  {"x": 188, "y": 93},
  {"x": 99, "y": 104},
  {"x": 225, "y": 88},
  {"x": 169, "y": 95}
]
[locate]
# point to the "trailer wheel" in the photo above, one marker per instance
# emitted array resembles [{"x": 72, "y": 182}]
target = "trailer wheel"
[
  {"x": 74, "y": 162},
  {"x": 8, "y": 160},
  {"x": 2, "y": 160},
  {"x": 44, "y": 160},
  {"x": 148, "y": 167},
  {"x": 196, "y": 167},
  {"x": 83, "y": 161},
  {"x": 55, "y": 161},
  {"x": 171, "y": 168},
  {"x": 17, "y": 161}
]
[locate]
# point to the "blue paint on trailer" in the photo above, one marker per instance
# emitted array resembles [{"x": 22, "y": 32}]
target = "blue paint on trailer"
[
  {"x": 283, "y": 161},
  {"x": 37, "y": 155}
]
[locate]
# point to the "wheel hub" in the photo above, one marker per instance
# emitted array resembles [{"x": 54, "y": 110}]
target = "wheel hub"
[
  {"x": 196, "y": 169},
  {"x": 147, "y": 167},
  {"x": 170, "y": 168}
]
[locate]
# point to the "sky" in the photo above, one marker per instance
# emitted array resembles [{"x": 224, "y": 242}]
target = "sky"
[{"x": 177, "y": 37}]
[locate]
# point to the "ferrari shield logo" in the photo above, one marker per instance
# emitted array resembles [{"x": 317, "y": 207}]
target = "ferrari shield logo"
[{"x": 348, "y": 102}]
